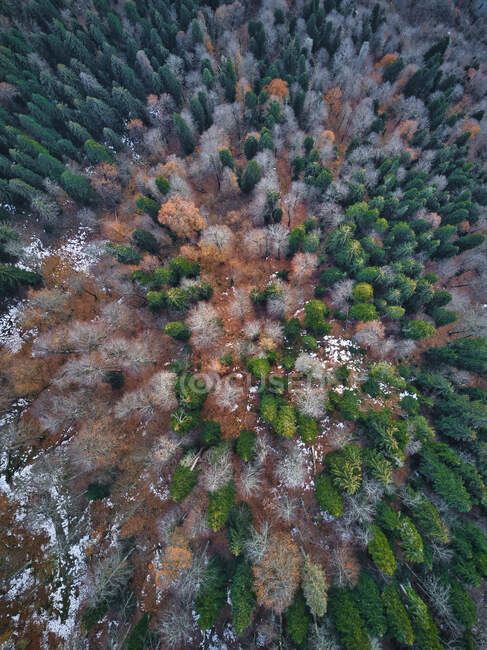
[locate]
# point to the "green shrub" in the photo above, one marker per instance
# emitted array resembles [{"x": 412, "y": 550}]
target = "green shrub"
[
  {"x": 362, "y": 292},
  {"x": 444, "y": 316},
  {"x": 309, "y": 343},
  {"x": 260, "y": 368},
  {"x": 348, "y": 403},
  {"x": 371, "y": 387},
  {"x": 268, "y": 408},
  {"x": 379, "y": 467},
  {"x": 417, "y": 329},
  {"x": 137, "y": 637},
  {"x": 250, "y": 177},
  {"x": 363, "y": 311},
  {"x": 462, "y": 604},
  {"x": 246, "y": 444},
  {"x": 226, "y": 159},
  {"x": 292, "y": 329},
  {"x": 156, "y": 300},
  {"x": 285, "y": 424},
  {"x": 181, "y": 267},
  {"x": 192, "y": 392},
  {"x": 96, "y": 152},
  {"x": 394, "y": 312},
  {"x": 115, "y": 378},
  {"x": 425, "y": 629},
  {"x": 124, "y": 254},
  {"x": 287, "y": 362},
  {"x": 178, "y": 330},
  {"x": 410, "y": 404},
  {"x": 346, "y": 468},
  {"x": 251, "y": 146},
  {"x": 328, "y": 496},
  {"x": 93, "y": 615},
  {"x": 342, "y": 373}
]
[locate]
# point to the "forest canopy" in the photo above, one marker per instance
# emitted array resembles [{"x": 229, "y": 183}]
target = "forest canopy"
[{"x": 243, "y": 328}]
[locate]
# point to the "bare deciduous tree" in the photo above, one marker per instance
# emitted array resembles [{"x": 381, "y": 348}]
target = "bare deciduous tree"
[
  {"x": 250, "y": 480},
  {"x": 219, "y": 236},
  {"x": 218, "y": 468},
  {"x": 240, "y": 304},
  {"x": 205, "y": 326},
  {"x": 227, "y": 394},
  {"x": 310, "y": 399}
]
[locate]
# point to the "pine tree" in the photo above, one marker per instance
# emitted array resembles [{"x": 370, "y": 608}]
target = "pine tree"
[
  {"x": 242, "y": 597},
  {"x": 397, "y": 619},
  {"x": 78, "y": 187},
  {"x": 368, "y": 598},
  {"x": 228, "y": 79},
  {"x": 96, "y": 152},
  {"x": 51, "y": 166},
  {"x": 220, "y": 504},
  {"x": 171, "y": 84},
  {"x": 183, "y": 132},
  {"x": 250, "y": 177},
  {"x": 198, "y": 113},
  {"x": 298, "y": 618},
  {"x": 381, "y": 552},
  {"x": 212, "y": 593}
]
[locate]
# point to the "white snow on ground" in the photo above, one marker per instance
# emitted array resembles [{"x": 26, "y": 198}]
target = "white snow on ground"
[
  {"x": 66, "y": 541},
  {"x": 9, "y": 334},
  {"x": 76, "y": 252},
  {"x": 211, "y": 640}
]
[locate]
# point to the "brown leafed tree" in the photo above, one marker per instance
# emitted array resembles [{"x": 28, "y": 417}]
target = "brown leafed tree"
[
  {"x": 278, "y": 574},
  {"x": 105, "y": 183}
]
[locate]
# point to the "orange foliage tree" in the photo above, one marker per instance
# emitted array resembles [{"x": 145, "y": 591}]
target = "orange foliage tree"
[
  {"x": 277, "y": 88},
  {"x": 176, "y": 559},
  {"x": 181, "y": 217}
]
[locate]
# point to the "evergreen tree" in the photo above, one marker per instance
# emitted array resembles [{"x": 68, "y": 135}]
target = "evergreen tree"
[
  {"x": 78, "y": 187},
  {"x": 381, "y": 552},
  {"x": 171, "y": 84},
  {"x": 228, "y": 79},
  {"x": 250, "y": 177},
  {"x": 185, "y": 137},
  {"x": 298, "y": 618},
  {"x": 242, "y": 597},
  {"x": 398, "y": 621},
  {"x": 220, "y": 504},
  {"x": 368, "y": 598}
]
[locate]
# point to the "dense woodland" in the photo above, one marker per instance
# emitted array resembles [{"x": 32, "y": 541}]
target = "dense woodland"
[{"x": 243, "y": 362}]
